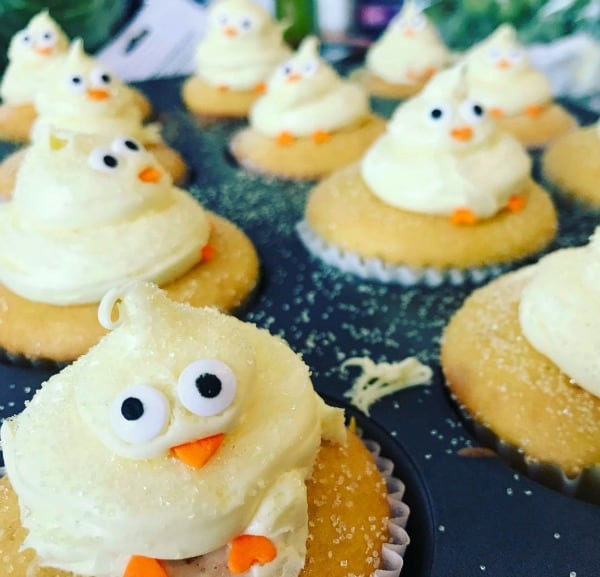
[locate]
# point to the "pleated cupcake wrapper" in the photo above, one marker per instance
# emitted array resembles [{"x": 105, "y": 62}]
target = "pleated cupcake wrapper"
[
  {"x": 585, "y": 486},
  {"x": 405, "y": 275},
  {"x": 392, "y": 554},
  {"x": 21, "y": 360}
]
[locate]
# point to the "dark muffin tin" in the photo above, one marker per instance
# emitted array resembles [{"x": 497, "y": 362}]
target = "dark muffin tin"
[{"x": 472, "y": 515}]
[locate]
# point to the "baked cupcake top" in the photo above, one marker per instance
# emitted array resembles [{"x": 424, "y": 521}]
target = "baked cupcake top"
[
  {"x": 88, "y": 213},
  {"x": 32, "y": 53},
  {"x": 242, "y": 46},
  {"x": 83, "y": 96},
  {"x": 442, "y": 153},
  {"x": 305, "y": 95},
  {"x": 559, "y": 311},
  {"x": 180, "y": 430},
  {"x": 501, "y": 77},
  {"x": 410, "y": 49}
]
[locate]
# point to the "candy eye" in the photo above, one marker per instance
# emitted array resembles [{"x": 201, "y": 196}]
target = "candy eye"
[
  {"x": 246, "y": 24},
  {"x": 514, "y": 56},
  {"x": 471, "y": 111},
  {"x": 139, "y": 413},
  {"x": 100, "y": 77},
  {"x": 418, "y": 22},
  {"x": 310, "y": 67},
  {"x": 206, "y": 387},
  {"x": 286, "y": 69},
  {"x": 25, "y": 38},
  {"x": 494, "y": 55},
  {"x": 439, "y": 114},
  {"x": 47, "y": 39},
  {"x": 222, "y": 20},
  {"x": 126, "y": 145},
  {"x": 76, "y": 83},
  {"x": 103, "y": 160}
]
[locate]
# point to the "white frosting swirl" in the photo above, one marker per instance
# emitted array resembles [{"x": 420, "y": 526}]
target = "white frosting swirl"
[
  {"x": 501, "y": 77},
  {"x": 242, "y": 46},
  {"x": 33, "y": 53},
  {"x": 83, "y": 96},
  {"x": 90, "y": 500},
  {"x": 559, "y": 311},
  {"x": 441, "y": 153},
  {"x": 410, "y": 49},
  {"x": 77, "y": 226},
  {"x": 306, "y": 95}
]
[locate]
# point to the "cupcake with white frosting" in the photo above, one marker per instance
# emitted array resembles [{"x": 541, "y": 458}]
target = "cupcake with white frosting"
[
  {"x": 32, "y": 54},
  {"x": 409, "y": 52},
  {"x": 572, "y": 164},
  {"x": 241, "y": 48},
  {"x": 89, "y": 213},
  {"x": 83, "y": 96},
  {"x": 192, "y": 444},
  {"x": 520, "y": 357},
  {"x": 309, "y": 123},
  {"x": 518, "y": 96},
  {"x": 442, "y": 196}
]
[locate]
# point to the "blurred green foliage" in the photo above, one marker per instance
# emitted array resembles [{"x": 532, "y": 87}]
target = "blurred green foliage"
[{"x": 464, "y": 22}]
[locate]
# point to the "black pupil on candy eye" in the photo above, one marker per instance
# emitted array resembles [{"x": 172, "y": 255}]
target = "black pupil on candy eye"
[
  {"x": 478, "y": 110},
  {"x": 436, "y": 113},
  {"x": 76, "y": 80},
  {"x": 110, "y": 161},
  {"x": 105, "y": 78},
  {"x": 131, "y": 145},
  {"x": 208, "y": 385},
  {"x": 47, "y": 36},
  {"x": 132, "y": 409}
]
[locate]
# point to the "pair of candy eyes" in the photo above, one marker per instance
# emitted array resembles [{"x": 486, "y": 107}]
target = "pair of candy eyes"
[
  {"x": 245, "y": 22},
  {"x": 416, "y": 23},
  {"x": 514, "y": 56},
  {"x": 46, "y": 40},
  {"x": 107, "y": 159},
  {"x": 469, "y": 111},
  {"x": 140, "y": 412},
  {"x": 307, "y": 69},
  {"x": 98, "y": 77}
]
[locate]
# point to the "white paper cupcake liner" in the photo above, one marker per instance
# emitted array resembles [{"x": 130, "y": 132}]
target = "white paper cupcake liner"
[
  {"x": 392, "y": 555},
  {"x": 585, "y": 486},
  {"x": 376, "y": 269}
]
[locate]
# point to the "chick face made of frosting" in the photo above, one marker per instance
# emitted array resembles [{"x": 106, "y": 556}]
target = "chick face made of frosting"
[
  {"x": 105, "y": 436},
  {"x": 442, "y": 154},
  {"x": 242, "y": 46},
  {"x": 502, "y": 78},
  {"x": 84, "y": 96},
  {"x": 305, "y": 95},
  {"x": 89, "y": 212},
  {"x": 410, "y": 50},
  {"x": 32, "y": 53}
]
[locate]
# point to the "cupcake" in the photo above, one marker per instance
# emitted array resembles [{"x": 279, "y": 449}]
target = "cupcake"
[
  {"x": 89, "y": 213},
  {"x": 572, "y": 163},
  {"x": 82, "y": 96},
  {"x": 521, "y": 358},
  {"x": 309, "y": 123},
  {"x": 406, "y": 56},
  {"x": 518, "y": 96},
  {"x": 197, "y": 452},
  {"x": 442, "y": 196},
  {"x": 32, "y": 54},
  {"x": 242, "y": 47}
]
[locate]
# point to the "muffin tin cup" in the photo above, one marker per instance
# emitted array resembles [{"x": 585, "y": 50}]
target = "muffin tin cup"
[
  {"x": 405, "y": 275},
  {"x": 585, "y": 486}
]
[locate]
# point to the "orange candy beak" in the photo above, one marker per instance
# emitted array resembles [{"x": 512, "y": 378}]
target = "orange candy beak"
[
  {"x": 503, "y": 64},
  {"x": 150, "y": 174},
  {"x": 231, "y": 31},
  {"x": 294, "y": 77},
  {"x": 197, "y": 453},
  {"x": 144, "y": 567},
  {"x": 97, "y": 94},
  {"x": 409, "y": 32},
  {"x": 44, "y": 51},
  {"x": 464, "y": 133}
]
